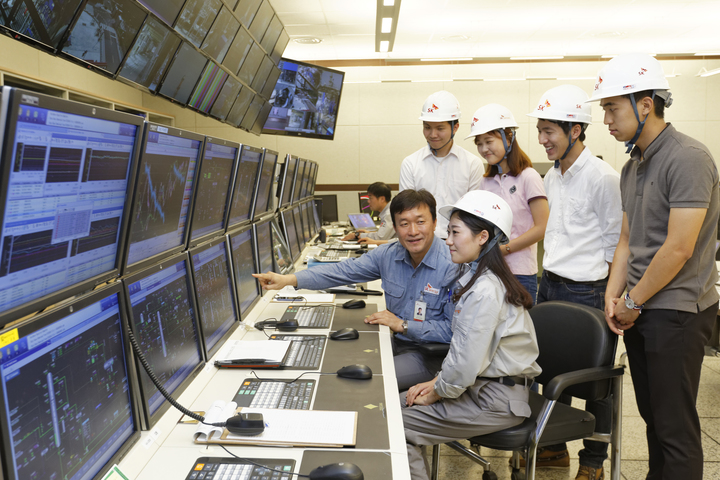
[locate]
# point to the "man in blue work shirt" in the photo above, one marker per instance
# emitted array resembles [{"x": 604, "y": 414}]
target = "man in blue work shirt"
[{"x": 416, "y": 272}]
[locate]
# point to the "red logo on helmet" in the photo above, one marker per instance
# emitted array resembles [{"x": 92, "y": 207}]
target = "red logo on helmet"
[
  {"x": 597, "y": 85},
  {"x": 475, "y": 120},
  {"x": 642, "y": 71},
  {"x": 578, "y": 106},
  {"x": 433, "y": 108},
  {"x": 502, "y": 117},
  {"x": 496, "y": 207},
  {"x": 542, "y": 106}
]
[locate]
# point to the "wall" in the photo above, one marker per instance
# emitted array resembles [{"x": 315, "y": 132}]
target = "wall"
[{"x": 378, "y": 116}]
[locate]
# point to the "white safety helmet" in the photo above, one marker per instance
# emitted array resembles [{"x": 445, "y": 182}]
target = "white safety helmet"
[
  {"x": 491, "y": 117},
  {"x": 630, "y": 73},
  {"x": 441, "y": 106},
  {"x": 488, "y": 206},
  {"x": 566, "y": 103}
]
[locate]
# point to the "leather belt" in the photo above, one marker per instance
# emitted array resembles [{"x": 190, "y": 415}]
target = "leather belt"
[
  {"x": 511, "y": 381},
  {"x": 558, "y": 279}
]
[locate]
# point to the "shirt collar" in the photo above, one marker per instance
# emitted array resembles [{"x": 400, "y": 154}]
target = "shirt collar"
[
  {"x": 577, "y": 165},
  {"x": 427, "y": 153},
  {"x": 654, "y": 146},
  {"x": 468, "y": 270}
]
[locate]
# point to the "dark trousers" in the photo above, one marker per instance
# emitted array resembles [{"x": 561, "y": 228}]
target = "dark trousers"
[
  {"x": 592, "y": 295},
  {"x": 665, "y": 352}
]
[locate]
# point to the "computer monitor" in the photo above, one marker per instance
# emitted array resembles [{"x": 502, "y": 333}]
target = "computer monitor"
[
  {"x": 154, "y": 48},
  {"x": 214, "y": 294},
  {"x": 329, "y": 208},
  {"x": 317, "y": 213},
  {"x": 306, "y": 224},
  {"x": 361, "y": 220},
  {"x": 67, "y": 391},
  {"x": 246, "y": 179},
  {"x": 287, "y": 177},
  {"x": 214, "y": 189},
  {"x": 262, "y": 19},
  {"x": 162, "y": 315},
  {"x": 271, "y": 35},
  {"x": 251, "y": 64},
  {"x": 66, "y": 171},
  {"x": 261, "y": 202},
  {"x": 246, "y": 10},
  {"x": 241, "y": 105},
  {"x": 217, "y": 41},
  {"x": 208, "y": 88},
  {"x": 297, "y": 188},
  {"x": 166, "y": 9},
  {"x": 196, "y": 18},
  {"x": 291, "y": 237},
  {"x": 43, "y": 22},
  {"x": 239, "y": 49},
  {"x": 103, "y": 32},
  {"x": 299, "y": 227},
  {"x": 183, "y": 74},
  {"x": 281, "y": 253},
  {"x": 313, "y": 179},
  {"x": 225, "y": 99},
  {"x": 241, "y": 249},
  {"x": 263, "y": 246},
  {"x": 305, "y": 180},
  {"x": 311, "y": 218},
  {"x": 160, "y": 207}
]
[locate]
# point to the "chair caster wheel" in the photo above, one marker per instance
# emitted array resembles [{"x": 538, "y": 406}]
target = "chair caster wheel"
[
  {"x": 517, "y": 476},
  {"x": 489, "y": 476}
]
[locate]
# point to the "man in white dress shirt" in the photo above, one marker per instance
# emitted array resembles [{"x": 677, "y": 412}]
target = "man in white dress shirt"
[{"x": 446, "y": 170}]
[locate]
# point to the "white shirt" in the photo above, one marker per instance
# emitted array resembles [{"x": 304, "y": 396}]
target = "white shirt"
[
  {"x": 385, "y": 230},
  {"x": 583, "y": 228},
  {"x": 447, "y": 178},
  {"x": 490, "y": 337}
]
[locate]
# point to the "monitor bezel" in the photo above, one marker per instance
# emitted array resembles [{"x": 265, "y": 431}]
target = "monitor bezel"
[
  {"x": 228, "y": 245},
  {"x": 12, "y": 98},
  {"x": 209, "y": 353},
  {"x": 231, "y": 186},
  {"x": 42, "y": 320},
  {"x": 146, "y": 262},
  {"x": 148, "y": 419},
  {"x": 229, "y": 227}
]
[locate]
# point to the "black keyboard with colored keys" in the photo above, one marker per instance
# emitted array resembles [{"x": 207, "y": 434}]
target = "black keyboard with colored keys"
[{"x": 257, "y": 393}]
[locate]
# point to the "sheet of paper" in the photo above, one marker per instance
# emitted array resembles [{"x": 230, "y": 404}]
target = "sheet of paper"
[
  {"x": 312, "y": 427},
  {"x": 246, "y": 349}
]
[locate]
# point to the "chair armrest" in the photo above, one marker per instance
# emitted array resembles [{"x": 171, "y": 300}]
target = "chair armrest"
[
  {"x": 557, "y": 385},
  {"x": 434, "y": 349}
]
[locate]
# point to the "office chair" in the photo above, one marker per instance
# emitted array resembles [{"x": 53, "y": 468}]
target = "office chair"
[{"x": 577, "y": 354}]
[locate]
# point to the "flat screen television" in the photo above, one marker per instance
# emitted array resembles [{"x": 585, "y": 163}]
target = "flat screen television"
[
  {"x": 215, "y": 298},
  {"x": 238, "y": 50},
  {"x": 183, "y": 74},
  {"x": 162, "y": 199},
  {"x": 241, "y": 249},
  {"x": 280, "y": 46},
  {"x": 305, "y": 101},
  {"x": 272, "y": 34},
  {"x": 208, "y": 87},
  {"x": 225, "y": 99},
  {"x": 167, "y": 10},
  {"x": 42, "y": 21},
  {"x": 240, "y": 107},
  {"x": 103, "y": 32},
  {"x": 214, "y": 189},
  {"x": 163, "y": 317},
  {"x": 222, "y": 32},
  {"x": 246, "y": 10},
  {"x": 196, "y": 18},
  {"x": 262, "y": 19},
  {"x": 66, "y": 173},
  {"x": 66, "y": 391}
]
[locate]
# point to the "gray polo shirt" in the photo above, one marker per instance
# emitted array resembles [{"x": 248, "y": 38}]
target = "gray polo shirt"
[{"x": 676, "y": 172}]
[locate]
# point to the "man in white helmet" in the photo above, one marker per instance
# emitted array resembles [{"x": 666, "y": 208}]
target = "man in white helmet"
[
  {"x": 582, "y": 231},
  {"x": 444, "y": 169},
  {"x": 665, "y": 260}
]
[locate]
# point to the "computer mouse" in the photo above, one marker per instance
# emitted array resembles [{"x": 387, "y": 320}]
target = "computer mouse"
[
  {"x": 248, "y": 424},
  {"x": 288, "y": 325},
  {"x": 337, "y": 471},
  {"x": 345, "y": 334},
  {"x": 354, "y": 304},
  {"x": 360, "y": 372}
]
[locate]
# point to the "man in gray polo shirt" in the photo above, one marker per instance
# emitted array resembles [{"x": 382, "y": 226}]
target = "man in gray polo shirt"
[{"x": 665, "y": 259}]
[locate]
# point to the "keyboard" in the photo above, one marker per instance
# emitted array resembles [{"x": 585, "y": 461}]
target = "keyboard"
[
  {"x": 333, "y": 255},
  {"x": 305, "y": 351},
  {"x": 275, "y": 394},
  {"x": 313, "y": 317},
  {"x": 220, "y": 468}
]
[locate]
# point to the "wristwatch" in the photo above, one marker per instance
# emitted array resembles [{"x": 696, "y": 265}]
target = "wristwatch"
[
  {"x": 404, "y": 327},
  {"x": 507, "y": 248},
  {"x": 630, "y": 304}
]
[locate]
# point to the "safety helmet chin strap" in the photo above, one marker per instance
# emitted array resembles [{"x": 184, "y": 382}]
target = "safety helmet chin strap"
[
  {"x": 490, "y": 244},
  {"x": 571, "y": 143},
  {"x": 507, "y": 148},
  {"x": 452, "y": 135},
  {"x": 631, "y": 144}
]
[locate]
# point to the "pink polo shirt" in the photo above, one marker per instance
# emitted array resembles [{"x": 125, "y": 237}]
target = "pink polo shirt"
[{"x": 518, "y": 192}]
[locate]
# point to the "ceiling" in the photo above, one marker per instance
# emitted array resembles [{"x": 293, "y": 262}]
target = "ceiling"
[{"x": 482, "y": 30}]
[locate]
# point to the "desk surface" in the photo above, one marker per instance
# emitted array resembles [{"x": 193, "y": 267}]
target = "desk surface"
[{"x": 168, "y": 451}]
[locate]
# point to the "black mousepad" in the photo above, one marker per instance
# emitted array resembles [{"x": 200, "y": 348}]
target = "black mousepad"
[
  {"x": 374, "y": 465},
  {"x": 364, "y": 350},
  {"x": 367, "y": 397},
  {"x": 354, "y": 318}
]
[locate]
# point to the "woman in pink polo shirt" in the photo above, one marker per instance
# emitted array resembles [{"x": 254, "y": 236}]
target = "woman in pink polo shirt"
[{"x": 510, "y": 175}]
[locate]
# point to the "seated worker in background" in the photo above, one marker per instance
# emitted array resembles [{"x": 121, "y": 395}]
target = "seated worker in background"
[
  {"x": 485, "y": 380},
  {"x": 379, "y": 196},
  {"x": 416, "y": 272}
]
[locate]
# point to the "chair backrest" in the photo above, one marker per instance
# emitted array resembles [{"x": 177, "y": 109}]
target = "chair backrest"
[{"x": 573, "y": 337}]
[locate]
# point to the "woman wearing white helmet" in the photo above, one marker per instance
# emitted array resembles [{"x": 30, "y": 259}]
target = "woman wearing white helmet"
[
  {"x": 492, "y": 322},
  {"x": 509, "y": 173}
]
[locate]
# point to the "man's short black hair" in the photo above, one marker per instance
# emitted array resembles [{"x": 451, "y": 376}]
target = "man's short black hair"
[
  {"x": 566, "y": 126},
  {"x": 379, "y": 189},
  {"x": 409, "y": 199},
  {"x": 659, "y": 103}
]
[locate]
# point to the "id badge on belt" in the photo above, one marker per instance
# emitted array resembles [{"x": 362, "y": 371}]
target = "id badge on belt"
[{"x": 419, "y": 310}]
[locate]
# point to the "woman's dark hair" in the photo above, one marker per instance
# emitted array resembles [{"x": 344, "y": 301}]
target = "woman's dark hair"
[
  {"x": 517, "y": 159},
  {"x": 409, "y": 199},
  {"x": 494, "y": 261}
]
